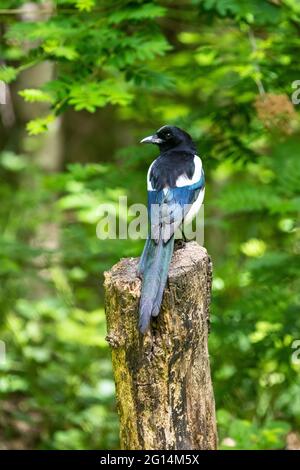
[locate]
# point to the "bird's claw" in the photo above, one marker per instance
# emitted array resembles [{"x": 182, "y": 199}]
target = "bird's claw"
[{"x": 179, "y": 244}]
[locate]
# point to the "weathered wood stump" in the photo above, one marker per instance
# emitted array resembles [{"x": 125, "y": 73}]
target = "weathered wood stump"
[{"x": 163, "y": 385}]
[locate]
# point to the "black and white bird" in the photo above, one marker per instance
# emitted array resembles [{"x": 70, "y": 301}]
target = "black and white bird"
[{"x": 175, "y": 184}]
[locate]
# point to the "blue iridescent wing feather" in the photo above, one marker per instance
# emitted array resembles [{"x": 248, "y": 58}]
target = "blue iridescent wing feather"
[{"x": 166, "y": 210}]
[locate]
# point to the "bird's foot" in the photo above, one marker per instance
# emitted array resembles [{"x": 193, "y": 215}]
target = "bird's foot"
[
  {"x": 179, "y": 244},
  {"x": 139, "y": 274}
]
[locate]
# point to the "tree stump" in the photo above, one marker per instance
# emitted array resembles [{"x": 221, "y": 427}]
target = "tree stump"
[{"x": 163, "y": 384}]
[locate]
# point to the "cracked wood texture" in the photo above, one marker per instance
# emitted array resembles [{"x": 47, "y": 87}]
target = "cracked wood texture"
[{"x": 163, "y": 385}]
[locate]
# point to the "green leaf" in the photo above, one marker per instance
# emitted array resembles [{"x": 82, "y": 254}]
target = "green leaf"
[
  {"x": 8, "y": 74},
  {"x": 261, "y": 12},
  {"x": 137, "y": 12},
  {"x": 85, "y": 5},
  {"x": 33, "y": 95},
  {"x": 39, "y": 125},
  {"x": 53, "y": 47},
  {"x": 94, "y": 95}
]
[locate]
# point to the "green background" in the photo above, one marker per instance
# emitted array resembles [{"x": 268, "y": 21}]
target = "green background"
[{"x": 88, "y": 79}]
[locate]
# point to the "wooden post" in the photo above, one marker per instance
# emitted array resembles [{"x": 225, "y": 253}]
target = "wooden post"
[{"x": 163, "y": 385}]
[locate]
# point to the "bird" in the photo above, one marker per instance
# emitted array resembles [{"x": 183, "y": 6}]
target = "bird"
[{"x": 175, "y": 188}]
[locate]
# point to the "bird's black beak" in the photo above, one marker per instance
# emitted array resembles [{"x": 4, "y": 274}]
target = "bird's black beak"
[{"x": 152, "y": 139}]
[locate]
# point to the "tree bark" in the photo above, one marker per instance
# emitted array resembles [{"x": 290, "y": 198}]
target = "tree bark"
[{"x": 163, "y": 384}]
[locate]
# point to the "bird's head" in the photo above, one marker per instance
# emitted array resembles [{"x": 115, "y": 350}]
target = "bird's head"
[{"x": 169, "y": 137}]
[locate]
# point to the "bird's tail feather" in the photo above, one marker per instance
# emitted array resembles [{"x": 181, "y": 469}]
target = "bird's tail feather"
[
  {"x": 155, "y": 267},
  {"x": 143, "y": 258}
]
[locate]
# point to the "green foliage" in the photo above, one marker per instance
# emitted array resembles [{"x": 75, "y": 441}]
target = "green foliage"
[
  {"x": 84, "y": 5},
  {"x": 256, "y": 11},
  {"x": 58, "y": 374},
  {"x": 7, "y": 74},
  {"x": 93, "y": 95},
  {"x": 38, "y": 125},
  {"x": 33, "y": 95},
  {"x": 93, "y": 50},
  {"x": 143, "y": 12},
  {"x": 245, "y": 435},
  {"x": 137, "y": 65}
]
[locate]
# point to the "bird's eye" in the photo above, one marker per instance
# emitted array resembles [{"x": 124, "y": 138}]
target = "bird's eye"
[{"x": 168, "y": 135}]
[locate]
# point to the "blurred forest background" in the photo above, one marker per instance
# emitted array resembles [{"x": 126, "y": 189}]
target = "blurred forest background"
[{"x": 86, "y": 80}]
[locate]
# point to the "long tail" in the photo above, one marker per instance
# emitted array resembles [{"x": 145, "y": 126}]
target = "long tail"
[{"x": 155, "y": 266}]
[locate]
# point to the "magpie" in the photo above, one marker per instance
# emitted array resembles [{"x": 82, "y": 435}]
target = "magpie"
[{"x": 175, "y": 185}]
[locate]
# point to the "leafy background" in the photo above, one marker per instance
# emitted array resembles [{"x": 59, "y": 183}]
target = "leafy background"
[{"x": 87, "y": 79}]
